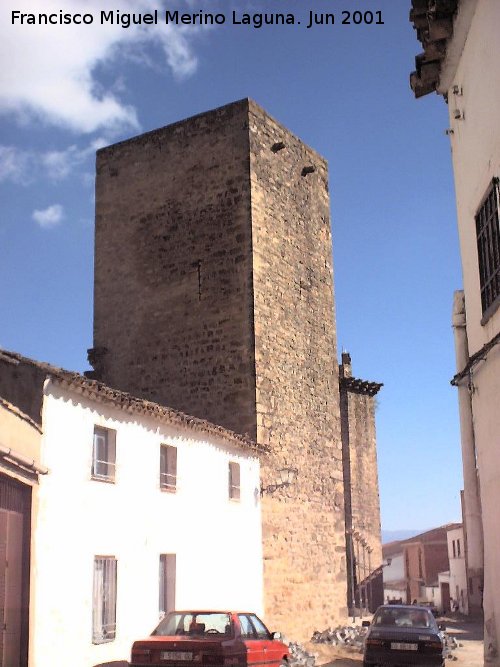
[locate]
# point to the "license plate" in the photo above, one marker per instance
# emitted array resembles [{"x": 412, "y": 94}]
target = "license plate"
[
  {"x": 399, "y": 646},
  {"x": 176, "y": 655}
]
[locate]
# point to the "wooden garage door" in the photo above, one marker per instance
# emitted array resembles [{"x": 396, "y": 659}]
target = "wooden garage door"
[{"x": 11, "y": 558}]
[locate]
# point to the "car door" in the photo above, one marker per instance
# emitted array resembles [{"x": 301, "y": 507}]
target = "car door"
[
  {"x": 272, "y": 651},
  {"x": 254, "y": 645}
]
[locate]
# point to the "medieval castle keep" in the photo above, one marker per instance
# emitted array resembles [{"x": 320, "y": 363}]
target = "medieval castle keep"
[{"x": 214, "y": 296}]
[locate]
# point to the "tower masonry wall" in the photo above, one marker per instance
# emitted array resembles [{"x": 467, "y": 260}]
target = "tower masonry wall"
[
  {"x": 297, "y": 396},
  {"x": 363, "y": 471},
  {"x": 173, "y": 268},
  {"x": 362, "y": 500}
]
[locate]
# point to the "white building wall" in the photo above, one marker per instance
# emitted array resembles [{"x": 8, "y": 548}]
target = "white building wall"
[
  {"x": 433, "y": 594},
  {"x": 476, "y": 160},
  {"x": 393, "y": 577},
  {"x": 396, "y": 570},
  {"x": 217, "y": 541},
  {"x": 458, "y": 575}
]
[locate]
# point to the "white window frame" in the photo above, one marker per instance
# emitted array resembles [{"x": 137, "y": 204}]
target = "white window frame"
[
  {"x": 104, "y": 454},
  {"x": 104, "y": 599}
]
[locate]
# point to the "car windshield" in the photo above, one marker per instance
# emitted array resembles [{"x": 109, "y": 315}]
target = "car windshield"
[
  {"x": 195, "y": 624},
  {"x": 413, "y": 618}
]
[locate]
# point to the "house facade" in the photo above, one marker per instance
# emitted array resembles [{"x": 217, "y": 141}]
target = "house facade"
[
  {"x": 20, "y": 470},
  {"x": 394, "y": 572},
  {"x": 413, "y": 566},
  {"x": 461, "y": 61},
  {"x": 132, "y": 510},
  {"x": 458, "y": 573}
]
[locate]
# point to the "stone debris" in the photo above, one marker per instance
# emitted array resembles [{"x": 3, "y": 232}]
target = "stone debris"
[
  {"x": 450, "y": 644},
  {"x": 299, "y": 657},
  {"x": 353, "y": 636},
  {"x": 349, "y": 636}
]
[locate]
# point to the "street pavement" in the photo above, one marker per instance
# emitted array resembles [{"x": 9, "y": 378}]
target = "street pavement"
[{"x": 468, "y": 633}]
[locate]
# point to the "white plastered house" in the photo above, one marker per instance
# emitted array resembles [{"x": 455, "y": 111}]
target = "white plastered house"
[{"x": 120, "y": 509}]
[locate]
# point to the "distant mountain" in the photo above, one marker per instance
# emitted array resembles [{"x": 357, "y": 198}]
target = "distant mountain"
[{"x": 394, "y": 535}]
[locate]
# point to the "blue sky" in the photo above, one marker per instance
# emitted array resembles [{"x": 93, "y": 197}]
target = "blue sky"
[{"x": 66, "y": 90}]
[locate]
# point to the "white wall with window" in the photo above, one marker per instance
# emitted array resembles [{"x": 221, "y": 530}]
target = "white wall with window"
[
  {"x": 112, "y": 550},
  {"x": 458, "y": 573},
  {"x": 470, "y": 78}
]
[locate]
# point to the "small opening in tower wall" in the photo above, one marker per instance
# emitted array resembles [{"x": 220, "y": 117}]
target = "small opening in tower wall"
[
  {"x": 198, "y": 266},
  {"x": 278, "y": 146},
  {"x": 308, "y": 170}
]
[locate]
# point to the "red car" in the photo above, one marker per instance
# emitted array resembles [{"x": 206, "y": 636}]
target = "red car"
[{"x": 210, "y": 639}]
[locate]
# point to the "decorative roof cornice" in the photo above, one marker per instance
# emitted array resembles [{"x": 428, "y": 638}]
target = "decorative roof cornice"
[{"x": 360, "y": 386}]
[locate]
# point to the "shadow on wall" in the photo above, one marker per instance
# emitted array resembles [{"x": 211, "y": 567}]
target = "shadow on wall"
[{"x": 115, "y": 663}]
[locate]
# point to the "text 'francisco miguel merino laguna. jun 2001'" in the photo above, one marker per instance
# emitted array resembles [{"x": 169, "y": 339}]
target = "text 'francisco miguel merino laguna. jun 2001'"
[{"x": 201, "y": 17}]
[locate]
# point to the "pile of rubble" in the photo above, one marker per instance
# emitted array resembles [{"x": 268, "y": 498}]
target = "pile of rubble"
[
  {"x": 353, "y": 636},
  {"x": 299, "y": 657},
  {"x": 349, "y": 636}
]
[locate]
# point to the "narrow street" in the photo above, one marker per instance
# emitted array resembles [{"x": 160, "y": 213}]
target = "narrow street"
[{"x": 469, "y": 634}]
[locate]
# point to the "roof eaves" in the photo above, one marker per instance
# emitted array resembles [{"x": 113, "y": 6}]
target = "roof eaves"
[{"x": 99, "y": 391}]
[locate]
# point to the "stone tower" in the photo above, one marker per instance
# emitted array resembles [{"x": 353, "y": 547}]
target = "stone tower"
[{"x": 214, "y": 295}]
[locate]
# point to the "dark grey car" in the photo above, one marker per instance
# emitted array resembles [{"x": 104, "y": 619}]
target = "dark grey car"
[{"x": 401, "y": 635}]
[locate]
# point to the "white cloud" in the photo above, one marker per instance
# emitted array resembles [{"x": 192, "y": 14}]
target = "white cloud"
[
  {"x": 49, "y": 217},
  {"x": 23, "y": 167},
  {"x": 59, "y": 164},
  {"x": 14, "y": 164},
  {"x": 52, "y": 69}
]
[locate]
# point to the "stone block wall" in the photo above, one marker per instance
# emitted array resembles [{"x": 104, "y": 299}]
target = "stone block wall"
[
  {"x": 362, "y": 501},
  {"x": 297, "y": 402},
  {"x": 173, "y": 309}
]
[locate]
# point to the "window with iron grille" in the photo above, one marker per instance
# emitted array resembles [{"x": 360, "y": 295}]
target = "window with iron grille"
[
  {"x": 234, "y": 480},
  {"x": 104, "y": 454},
  {"x": 168, "y": 468},
  {"x": 167, "y": 583},
  {"x": 104, "y": 600},
  {"x": 488, "y": 246}
]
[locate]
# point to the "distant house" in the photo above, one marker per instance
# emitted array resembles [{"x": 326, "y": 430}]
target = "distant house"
[
  {"x": 394, "y": 572},
  {"x": 114, "y": 510},
  {"x": 413, "y": 566},
  {"x": 458, "y": 572}
]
